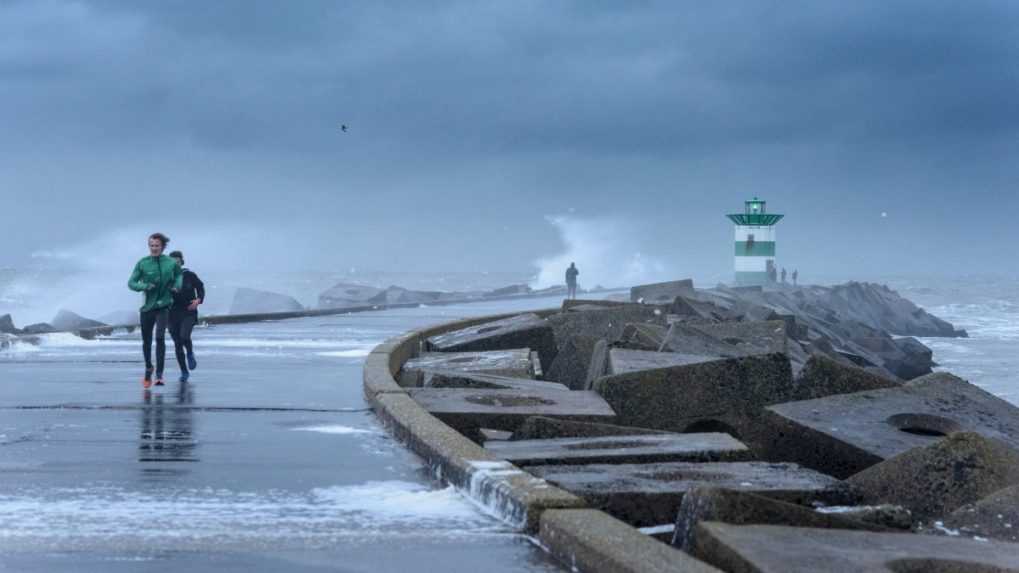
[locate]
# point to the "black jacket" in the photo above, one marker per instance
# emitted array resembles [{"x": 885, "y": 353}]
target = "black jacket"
[{"x": 193, "y": 288}]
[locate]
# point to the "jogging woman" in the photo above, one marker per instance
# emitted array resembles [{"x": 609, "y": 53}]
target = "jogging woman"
[
  {"x": 158, "y": 276},
  {"x": 184, "y": 316}
]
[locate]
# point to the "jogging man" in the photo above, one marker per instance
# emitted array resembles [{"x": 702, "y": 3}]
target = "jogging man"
[
  {"x": 184, "y": 316},
  {"x": 158, "y": 276},
  {"x": 571, "y": 281}
]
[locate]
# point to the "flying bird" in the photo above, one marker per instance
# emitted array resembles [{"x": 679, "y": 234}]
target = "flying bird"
[{"x": 343, "y": 128}]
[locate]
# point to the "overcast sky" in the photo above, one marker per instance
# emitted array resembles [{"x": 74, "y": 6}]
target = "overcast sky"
[{"x": 491, "y": 135}]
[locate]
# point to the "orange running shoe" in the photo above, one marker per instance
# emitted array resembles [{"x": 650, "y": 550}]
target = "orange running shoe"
[{"x": 147, "y": 380}]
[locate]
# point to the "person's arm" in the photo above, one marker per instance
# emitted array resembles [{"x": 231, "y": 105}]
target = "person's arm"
[
  {"x": 200, "y": 287},
  {"x": 136, "y": 283}
]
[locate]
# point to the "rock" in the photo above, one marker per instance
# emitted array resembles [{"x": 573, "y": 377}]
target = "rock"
[
  {"x": 253, "y": 301},
  {"x": 490, "y": 435},
  {"x": 39, "y": 328},
  {"x": 937, "y": 479},
  {"x": 642, "y": 337},
  {"x": 744, "y": 508},
  {"x": 885, "y": 515},
  {"x": 524, "y": 330},
  {"x": 688, "y": 307},
  {"x": 622, "y": 449},
  {"x": 607, "y": 323},
  {"x": 913, "y": 359},
  {"x": 512, "y": 290},
  {"x": 751, "y": 337},
  {"x": 541, "y": 428},
  {"x": 847, "y": 433},
  {"x": 588, "y": 304},
  {"x": 721, "y": 395},
  {"x": 460, "y": 379},
  {"x": 7, "y": 325},
  {"x": 994, "y": 517},
  {"x": 573, "y": 362},
  {"x": 514, "y": 363},
  {"x": 823, "y": 376},
  {"x": 7, "y": 340},
  {"x": 661, "y": 292},
  {"x": 599, "y": 363},
  {"x": 622, "y": 361},
  {"x": 466, "y": 410},
  {"x": 650, "y": 494},
  {"x": 689, "y": 340},
  {"x": 884, "y": 309},
  {"x": 775, "y": 548},
  {"x": 66, "y": 320},
  {"x": 343, "y": 295},
  {"x": 588, "y": 540}
]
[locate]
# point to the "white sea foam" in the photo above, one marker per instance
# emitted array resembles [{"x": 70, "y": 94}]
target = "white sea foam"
[{"x": 334, "y": 429}]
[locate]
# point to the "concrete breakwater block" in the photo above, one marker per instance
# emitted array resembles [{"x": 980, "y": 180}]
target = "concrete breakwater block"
[
  {"x": 757, "y": 337},
  {"x": 573, "y": 362},
  {"x": 622, "y": 360},
  {"x": 780, "y": 549},
  {"x": 937, "y": 479},
  {"x": 995, "y": 516},
  {"x": 524, "y": 330},
  {"x": 847, "y": 433},
  {"x": 569, "y": 304},
  {"x": 661, "y": 292},
  {"x": 823, "y": 376},
  {"x": 642, "y": 337},
  {"x": 684, "y": 398},
  {"x": 514, "y": 363},
  {"x": 543, "y": 428},
  {"x": 469, "y": 409},
  {"x": 607, "y": 322},
  {"x": 744, "y": 508},
  {"x": 455, "y": 379},
  {"x": 650, "y": 494},
  {"x": 622, "y": 449},
  {"x": 689, "y": 340},
  {"x": 886, "y": 515}
]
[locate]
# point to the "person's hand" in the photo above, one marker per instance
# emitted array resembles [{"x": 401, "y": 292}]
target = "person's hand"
[{"x": 194, "y": 304}]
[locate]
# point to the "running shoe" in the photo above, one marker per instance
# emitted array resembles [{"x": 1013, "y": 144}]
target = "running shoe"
[
  {"x": 147, "y": 380},
  {"x": 184, "y": 377},
  {"x": 192, "y": 363},
  {"x": 159, "y": 380}
]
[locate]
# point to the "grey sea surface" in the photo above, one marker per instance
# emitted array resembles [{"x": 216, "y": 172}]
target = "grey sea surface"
[{"x": 265, "y": 461}]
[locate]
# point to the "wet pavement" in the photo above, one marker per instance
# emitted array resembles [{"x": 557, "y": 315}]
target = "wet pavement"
[{"x": 266, "y": 460}]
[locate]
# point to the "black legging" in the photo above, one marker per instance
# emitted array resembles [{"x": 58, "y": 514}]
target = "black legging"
[
  {"x": 156, "y": 318},
  {"x": 181, "y": 325}
]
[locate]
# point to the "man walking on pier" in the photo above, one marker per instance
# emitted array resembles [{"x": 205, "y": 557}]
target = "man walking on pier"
[
  {"x": 158, "y": 276},
  {"x": 571, "y": 281}
]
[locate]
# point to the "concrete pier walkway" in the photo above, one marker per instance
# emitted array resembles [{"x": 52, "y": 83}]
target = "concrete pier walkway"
[{"x": 266, "y": 461}]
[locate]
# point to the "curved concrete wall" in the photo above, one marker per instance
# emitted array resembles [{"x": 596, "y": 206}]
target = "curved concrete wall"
[{"x": 584, "y": 539}]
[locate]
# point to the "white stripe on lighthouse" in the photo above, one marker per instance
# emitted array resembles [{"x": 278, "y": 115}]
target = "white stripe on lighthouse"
[{"x": 752, "y": 264}]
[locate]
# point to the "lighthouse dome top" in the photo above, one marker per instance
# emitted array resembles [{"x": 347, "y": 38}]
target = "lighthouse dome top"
[{"x": 755, "y": 214}]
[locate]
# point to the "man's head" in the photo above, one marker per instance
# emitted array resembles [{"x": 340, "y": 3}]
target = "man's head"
[
  {"x": 179, "y": 257},
  {"x": 157, "y": 243},
  {"x": 573, "y": 264}
]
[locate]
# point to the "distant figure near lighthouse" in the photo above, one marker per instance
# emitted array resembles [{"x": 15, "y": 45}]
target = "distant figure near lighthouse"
[{"x": 571, "y": 281}]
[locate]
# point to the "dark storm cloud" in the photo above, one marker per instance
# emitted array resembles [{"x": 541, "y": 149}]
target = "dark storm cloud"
[{"x": 466, "y": 113}]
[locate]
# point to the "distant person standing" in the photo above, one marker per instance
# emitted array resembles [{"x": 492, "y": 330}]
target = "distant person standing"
[
  {"x": 158, "y": 276},
  {"x": 796, "y": 277},
  {"x": 571, "y": 281},
  {"x": 184, "y": 316},
  {"x": 783, "y": 275}
]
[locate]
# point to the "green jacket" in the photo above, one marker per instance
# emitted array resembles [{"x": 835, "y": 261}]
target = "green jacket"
[{"x": 157, "y": 277}]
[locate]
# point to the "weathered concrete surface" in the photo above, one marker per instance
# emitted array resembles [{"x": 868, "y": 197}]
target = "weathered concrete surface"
[
  {"x": 623, "y": 361},
  {"x": 995, "y": 516},
  {"x": 822, "y": 376},
  {"x": 731, "y": 391},
  {"x": 544, "y": 428},
  {"x": 661, "y": 292},
  {"x": 622, "y": 449},
  {"x": 779, "y": 549},
  {"x": 250, "y": 301},
  {"x": 758, "y": 337},
  {"x": 599, "y": 363},
  {"x": 845, "y": 434},
  {"x": 469, "y": 409},
  {"x": 521, "y": 331},
  {"x": 884, "y": 515},
  {"x": 590, "y": 540},
  {"x": 573, "y": 362},
  {"x": 642, "y": 337},
  {"x": 607, "y": 323},
  {"x": 571, "y": 303},
  {"x": 650, "y": 494},
  {"x": 744, "y": 508},
  {"x": 689, "y": 340},
  {"x": 455, "y": 379},
  {"x": 515, "y": 363},
  {"x": 937, "y": 479}
]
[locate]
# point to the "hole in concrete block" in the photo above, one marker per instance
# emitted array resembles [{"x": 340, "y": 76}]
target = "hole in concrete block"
[
  {"x": 502, "y": 400},
  {"x": 923, "y": 424},
  {"x": 707, "y": 426},
  {"x": 487, "y": 329}
]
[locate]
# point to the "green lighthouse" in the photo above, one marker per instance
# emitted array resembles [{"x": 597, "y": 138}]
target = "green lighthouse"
[{"x": 754, "y": 260}]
